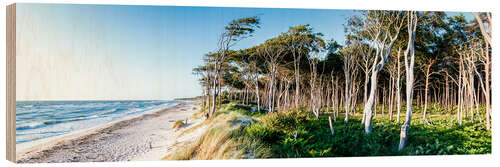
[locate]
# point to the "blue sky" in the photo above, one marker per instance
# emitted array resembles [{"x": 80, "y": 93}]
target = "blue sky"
[{"x": 104, "y": 52}]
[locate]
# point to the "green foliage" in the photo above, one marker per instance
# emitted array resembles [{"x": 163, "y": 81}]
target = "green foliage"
[
  {"x": 243, "y": 26},
  {"x": 313, "y": 139},
  {"x": 433, "y": 149},
  {"x": 263, "y": 133},
  {"x": 296, "y": 133}
]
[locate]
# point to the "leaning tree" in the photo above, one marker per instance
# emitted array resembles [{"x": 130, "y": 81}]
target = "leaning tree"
[
  {"x": 383, "y": 28},
  {"x": 235, "y": 31}
]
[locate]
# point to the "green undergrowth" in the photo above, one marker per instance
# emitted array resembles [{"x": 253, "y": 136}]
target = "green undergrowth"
[{"x": 297, "y": 133}]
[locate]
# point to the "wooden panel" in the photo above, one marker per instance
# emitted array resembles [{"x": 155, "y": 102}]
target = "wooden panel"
[{"x": 11, "y": 83}]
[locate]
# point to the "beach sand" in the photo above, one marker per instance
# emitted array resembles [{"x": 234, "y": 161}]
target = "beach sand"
[{"x": 144, "y": 137}]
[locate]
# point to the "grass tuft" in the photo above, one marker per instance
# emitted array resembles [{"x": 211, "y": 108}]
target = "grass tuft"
[{"x": 178, "y": 124}]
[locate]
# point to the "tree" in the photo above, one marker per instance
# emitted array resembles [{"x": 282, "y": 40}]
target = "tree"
[
  {"x": 431, "y": 47},
  {"x": 470, "y": 56},
  {"x": 358, "y": 33},
  {"x": 398, "y": 86},
  {"x": 255, "y": 71},
  {"x": 204, "y": 72},
  {"x": 412, "y": 19},
  {"x": 235, "y": 31},
  {"x": 334, "y": 65},
  {"x": 313, "y": 82},
  {"x": 457, "y": 34},
  {"x": 484, "y": 22},
  {"x": 250, "y": 62},
  {"x": 350, "y": 53},
  {"x": 394, "y": 77},
  {"x": 300, "y": 40},
  {"x": 383, "y": 27},
  {"x": 272, "y": 51}
]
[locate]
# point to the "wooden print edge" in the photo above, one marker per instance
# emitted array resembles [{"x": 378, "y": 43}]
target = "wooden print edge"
[{"x": 11, "y": 83}]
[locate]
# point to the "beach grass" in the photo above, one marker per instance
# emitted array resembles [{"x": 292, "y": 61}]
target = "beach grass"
[{"x": 178, "y": 124}]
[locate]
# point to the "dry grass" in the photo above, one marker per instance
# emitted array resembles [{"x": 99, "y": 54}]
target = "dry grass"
[
  {"x": 178, "y": 124},
  {"x": 200, "y": 112},
  {"x": 193, "y": 128},
  {"x": 216, "y": 143},
  {"x": 222, "y": 140}
]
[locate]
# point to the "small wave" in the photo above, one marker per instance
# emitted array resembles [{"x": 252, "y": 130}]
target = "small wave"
[
  {"x": 47, "y": 123},
  {"x": 27, "y": 112},
  {"x": 111, "y": 111},
  {"x": 52, "y": 122},
  {"x": 31, "y": 126}
]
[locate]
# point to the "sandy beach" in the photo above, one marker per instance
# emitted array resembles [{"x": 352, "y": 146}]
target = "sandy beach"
[{"x": 144, "y": 137}]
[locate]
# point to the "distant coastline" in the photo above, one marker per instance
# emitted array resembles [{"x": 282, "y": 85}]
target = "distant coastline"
[{"x": 189, "y": 98}]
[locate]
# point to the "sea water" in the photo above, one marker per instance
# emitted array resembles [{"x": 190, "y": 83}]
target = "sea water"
[{"x": 36, "y": 120}]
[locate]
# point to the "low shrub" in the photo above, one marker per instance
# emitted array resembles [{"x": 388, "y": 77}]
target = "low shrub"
[{"x": 178, "y": 124}]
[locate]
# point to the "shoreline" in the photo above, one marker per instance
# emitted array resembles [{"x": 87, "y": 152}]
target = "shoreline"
[
  {"x": 93, "y": 144},
  {"x": 29, "y": 146}
]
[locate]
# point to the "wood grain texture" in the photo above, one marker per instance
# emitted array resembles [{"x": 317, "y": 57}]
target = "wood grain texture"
[{"x": 11, "y": 83}]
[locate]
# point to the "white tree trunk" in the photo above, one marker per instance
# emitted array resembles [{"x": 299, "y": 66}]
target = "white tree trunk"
[
  {"x": 367, "y": 80},
  {"x": 368, "y": 110},
  {"x": 296, "y": 64},
  {"x": 257, "y": 91},
  {"x": 487, "y": 39},
  {"x": 390, "y": 31},
  {"x": 405, "y": 128},
  {"x": 214, "y": 94},
  {"x": 271, "y": 89}
]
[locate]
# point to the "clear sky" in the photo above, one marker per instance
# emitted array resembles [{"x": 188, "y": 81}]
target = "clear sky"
[{"x": 118, "y": 52}]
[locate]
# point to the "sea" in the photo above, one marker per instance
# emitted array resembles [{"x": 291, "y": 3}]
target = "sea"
[{"x": 37, "y": 120}]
